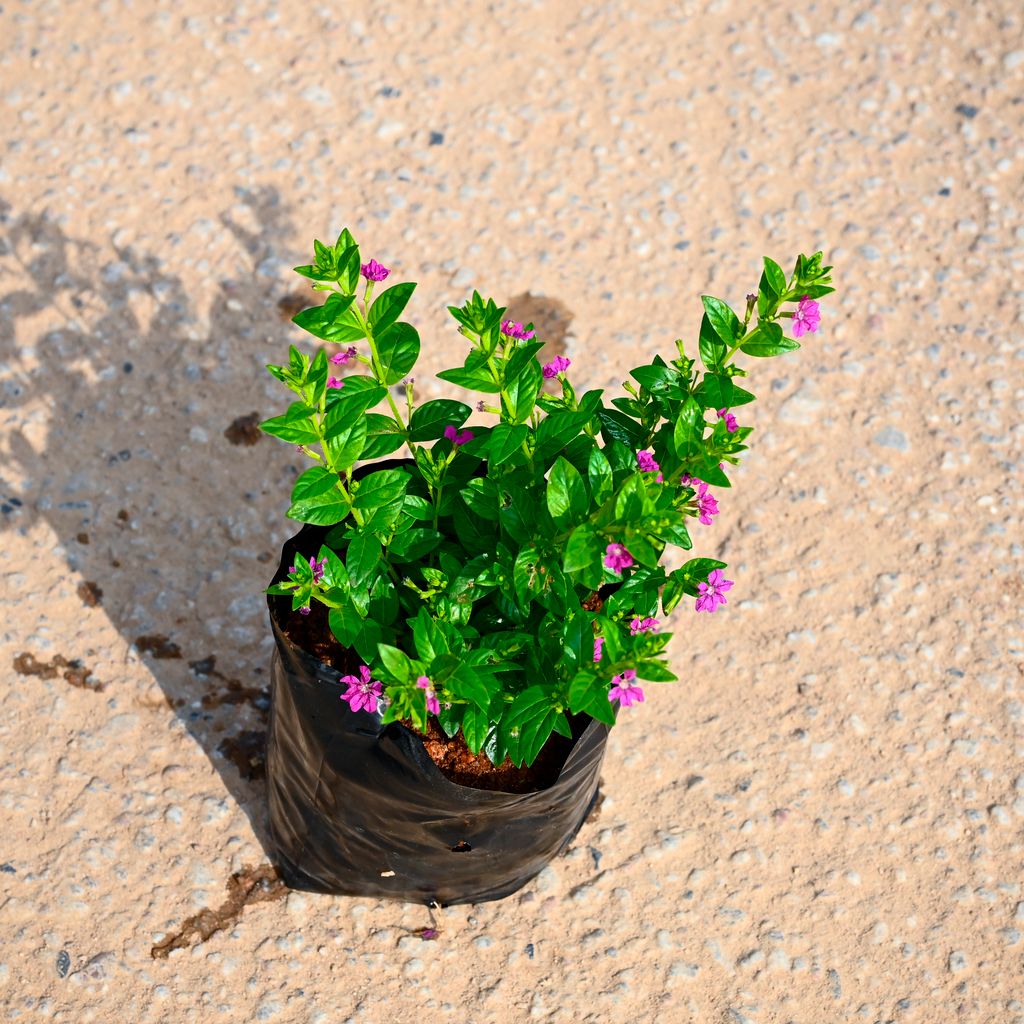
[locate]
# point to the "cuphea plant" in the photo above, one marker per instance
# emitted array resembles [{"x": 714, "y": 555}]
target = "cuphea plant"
[{"x": 508, "y": 575}]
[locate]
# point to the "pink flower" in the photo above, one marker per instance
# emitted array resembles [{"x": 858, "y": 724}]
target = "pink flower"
[
  {"x": 318, "y": 568},
  {"x": 707, "y": 504},
  {"x": 557, "y": 365},
  {"x": 624, "y": 691},
  {"x": 807, "y": 317},
  {"x": 433, "y": 706},
  {"x": 292, "y": 570},
  {"x": 362, "y": 693},
  {"x": 685, "y": 480},
  {"x": 712, "y": 592},
  {"x": 598, "y": 648},
  {"x": 343, "y": 358},
  {"x": 335, "y": 382},
  {"x": 374, "y": 271},
  {"x": 730, "y": 421},
  {"x": 638, "y": 626},
  {"x": 512, "y": 329},
  {"x": 617, "y": 558},
  {"x": 304, "y": 610},
  {"x": 455, "y": 437},
  {"x": 645, "y": 460}
]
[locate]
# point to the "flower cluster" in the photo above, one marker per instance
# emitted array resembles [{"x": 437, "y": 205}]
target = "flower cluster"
[{"x": 471, "y": 578}]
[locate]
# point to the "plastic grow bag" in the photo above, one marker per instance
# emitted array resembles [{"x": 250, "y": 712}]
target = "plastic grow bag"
[{"x": 359, "y": 808}]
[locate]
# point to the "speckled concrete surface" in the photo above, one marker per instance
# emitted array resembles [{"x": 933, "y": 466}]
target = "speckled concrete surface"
[{"x": 822, "y": 823}]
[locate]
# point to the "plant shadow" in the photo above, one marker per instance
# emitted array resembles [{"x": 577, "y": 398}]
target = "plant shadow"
[{"x": 131, "y": 429}]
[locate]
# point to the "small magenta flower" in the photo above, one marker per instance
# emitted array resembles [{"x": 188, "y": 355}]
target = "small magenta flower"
[
  {"x": 645, "y": 460},
  {"x": 806, "y": 318},
  {"x": 598, "y": 648},
  {"x": 453, "y": 435},
  {"x": 685, "y": 480},
  {"x": 712, "y": 593},
  {"x": 335, "y": 382},
  {"x": 292, "y": 570},
  {"x": 318, "y": 568},
  {"x": 374, "y": 271},
  {"x": 624, "y": 689},
  {"x": 344, "y": 358},
  {"x": 730, "y": 421},
  {"x": 638, "y": 626},
  {"x": 617, "y": 557},
  {"x": 512, "y": 329},
  {"x": 304, "y": 610},
  {"x": 707, "y": 504},
  {"x": 433, "y": 706},
  {"x": 557, "y": 365},
  {"x": 362, "y": 693},
  {"x": 481, "y": 406}
]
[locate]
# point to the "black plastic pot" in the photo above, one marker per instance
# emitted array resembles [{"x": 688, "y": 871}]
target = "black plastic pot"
[{"x": 359, "y": 808}]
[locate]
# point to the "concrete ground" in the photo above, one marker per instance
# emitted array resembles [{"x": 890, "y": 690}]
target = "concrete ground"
[{"x": 822, "y": 822}]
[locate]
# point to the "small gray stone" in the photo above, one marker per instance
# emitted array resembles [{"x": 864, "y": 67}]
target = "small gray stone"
[
  {"x": 957, "y": 961},
  {"x": 890, "y": 437}
]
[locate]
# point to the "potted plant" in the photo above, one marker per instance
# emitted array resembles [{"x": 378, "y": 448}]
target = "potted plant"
[{"x": 458, "y": 629}]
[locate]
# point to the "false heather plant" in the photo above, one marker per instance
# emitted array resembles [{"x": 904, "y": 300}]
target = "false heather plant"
[{"x": 509, "y": 574}]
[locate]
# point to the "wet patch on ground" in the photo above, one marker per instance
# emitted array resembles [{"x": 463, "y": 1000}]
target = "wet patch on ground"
[
  {"x": 244, "y": 430},
  {"x": 72, "y": 670},
  {"x": 250, "y": 885}
]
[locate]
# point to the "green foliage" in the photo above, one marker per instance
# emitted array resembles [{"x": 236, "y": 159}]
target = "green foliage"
[{"x": 479, "y": 562}]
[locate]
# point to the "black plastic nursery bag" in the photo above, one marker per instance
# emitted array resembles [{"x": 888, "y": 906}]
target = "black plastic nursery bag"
[{"x": 359, "y": 808}]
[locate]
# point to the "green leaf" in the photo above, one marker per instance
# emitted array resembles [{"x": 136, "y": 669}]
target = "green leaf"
[
  {"x": 345, "y": 623},
  {"x": 322, "y": 510},
  {"x": 367, "y": 639},
  {"x": 346, "y": 445},
  {"x": 629, "y": 504},
  {"x": 556, "y": 430},
  {"x": 526, "y": 576},
  {"x": 468, "y": 683},
  {"x": 430, "y": 641},
  {"x": 396, "y": 663},
  {"x": 295, "y": 426},
  {"x": 655, "y": 672},
  {"x": 383, "y": 436},
  {"x": 384, "y": 487},
  {"x": 383, "y": 600},
  {"x": 481, "y": 495},
  {"x": 773, "y": 277},
  {"x": 331, "y": 321},
  {"x": 688, "y": 432},
  {"x": 475, "y": 375},
  {"x": 657, "y": 378},
  {"x": 413, "y": 544},
  {"x": 398, "y": 348},
  {"x": 715, "y": 391},
  {"x": 767, "y": 340},
  {"x": 363, "y": 558},
  {"x": 617, "y": 426},
  {"x": 583, "y": 550},
  {"x": 566, "y": 496},
  {"x": 504, "y": 441},
  {"x": 520, "y": 360},
  {"x": 388, "y": 306},
  {"x": 528, "y": 724},
  {"x": 723, "y": 320},
  {"x": 429, "y": 420},
  {"x": 351, "y": 403},
  {"x": 313, "y": 483},
  {"x": 588, "y": 694},
  {"x": 476, "y": 723},
  {"x": 599, "y": 473},
  {"x": 712, "y": 348},
  {"x": 520, "y": 395}
]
